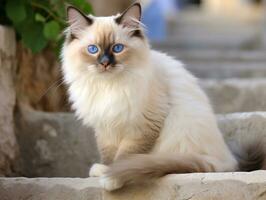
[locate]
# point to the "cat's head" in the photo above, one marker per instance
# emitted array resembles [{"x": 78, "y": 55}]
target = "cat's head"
[{"x": 104, "y": 45}]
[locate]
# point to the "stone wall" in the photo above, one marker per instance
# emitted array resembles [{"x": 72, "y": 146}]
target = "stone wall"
[{"x": 8, "y": 145}]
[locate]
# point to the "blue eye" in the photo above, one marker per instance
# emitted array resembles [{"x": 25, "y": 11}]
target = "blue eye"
[
  {"x": 93, "y": 49},
  {"x": 117, "y": 48}
]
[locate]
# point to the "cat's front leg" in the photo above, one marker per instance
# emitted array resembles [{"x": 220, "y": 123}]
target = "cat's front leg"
[
  {"x": 107, "y": 153},
  {"x": 139, "y": 145},
  {"x": 106, "y": 148}
]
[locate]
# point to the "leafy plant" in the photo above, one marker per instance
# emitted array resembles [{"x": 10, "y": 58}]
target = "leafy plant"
[{"x": 38, "y": 23}]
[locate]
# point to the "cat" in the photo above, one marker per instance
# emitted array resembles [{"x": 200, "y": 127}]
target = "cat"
[{"x": 150, "y": 116}]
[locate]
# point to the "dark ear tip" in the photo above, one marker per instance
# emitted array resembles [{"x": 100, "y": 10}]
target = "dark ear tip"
[
  {"x": 137, "y": 4},
  {"x": 76, "y": 10},
  {"x": 120, "y": 17},
  {"x": 69, "y": 7}
]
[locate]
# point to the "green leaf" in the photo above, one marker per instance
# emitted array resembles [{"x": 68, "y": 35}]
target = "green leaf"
[
  {"x": 31, "y": 32},
  {"x": 34, "y": 38},
  {"x": 38, "y": 23},
  {"x": 39, "y": 17},
  {"x": 51, "y": 30},
  {"x": 87, "y": 8},
  {"x": 16, "y": 10},
  {"x": 59, "y": 7}
]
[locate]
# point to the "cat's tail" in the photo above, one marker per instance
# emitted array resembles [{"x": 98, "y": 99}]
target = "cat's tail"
[
  {"x": 144, "y": 167},
  {"x": 140, "y": 167}
]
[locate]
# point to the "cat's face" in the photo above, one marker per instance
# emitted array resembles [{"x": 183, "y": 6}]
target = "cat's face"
[{"x": 105, "y": 45}]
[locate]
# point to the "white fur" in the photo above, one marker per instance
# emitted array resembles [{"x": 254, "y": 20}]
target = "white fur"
[
  {"x": 190, "y": 126},
  {"x": 98, "y": 170},
  {"x": 113, "y": 103},
  {"x": 110, "y": 184}
]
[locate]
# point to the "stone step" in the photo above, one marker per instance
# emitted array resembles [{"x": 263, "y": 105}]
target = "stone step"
[
  {"x": 236, "y": 95},
  {"x": 216, "y": 55},
  {"x": 220, "y": 64},
  {"x": 222, "y": 186},
  {"x": 56, "y": 145},
  {"x": 226, "y": 70},
  {"x": 205, "y": 40},
  {"x": 197, "y": 29}
]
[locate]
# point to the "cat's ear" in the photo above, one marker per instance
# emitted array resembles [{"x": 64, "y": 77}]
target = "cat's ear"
[
  {"x": 131, "y": 16},
  {"x": 77, "y": 20}
]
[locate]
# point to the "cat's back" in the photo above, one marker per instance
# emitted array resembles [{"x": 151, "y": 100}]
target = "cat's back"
[
  {"x": 181, "y": 84},
  {"x": 165, "y": 65}
]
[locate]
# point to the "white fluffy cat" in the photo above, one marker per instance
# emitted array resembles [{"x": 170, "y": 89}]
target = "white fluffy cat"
[{"x": 150, "y": 116}]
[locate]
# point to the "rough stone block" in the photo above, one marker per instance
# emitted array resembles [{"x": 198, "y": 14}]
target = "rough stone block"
[
  {"x": 212, "y": 186},
  {"x": 243, "y": 126},
  {"x": 236, "y": 95},
  {"x": 54, "y": 144}
]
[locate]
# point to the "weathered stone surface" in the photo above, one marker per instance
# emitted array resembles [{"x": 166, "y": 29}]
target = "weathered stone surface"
[
  {"x": 236, "y": 95},
  {"x": 54, "y": 145},
  {"x": 212, "y": 186},
  {"x": 8, "y": 146}
]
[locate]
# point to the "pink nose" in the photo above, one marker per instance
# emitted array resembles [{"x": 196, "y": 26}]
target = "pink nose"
[
  {"x": 105, "y": 64},
  {"x": 104, "y": 60}
]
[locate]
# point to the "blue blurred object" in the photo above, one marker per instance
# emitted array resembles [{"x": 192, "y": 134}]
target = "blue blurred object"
[
  {"x": 154, "y": 17},
  {"x": 155, "y": 21}
]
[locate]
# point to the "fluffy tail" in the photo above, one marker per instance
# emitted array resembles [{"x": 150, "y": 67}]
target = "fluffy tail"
[
  {"x": 141, "y": 167},
  {"x": 250, "y": 154}
]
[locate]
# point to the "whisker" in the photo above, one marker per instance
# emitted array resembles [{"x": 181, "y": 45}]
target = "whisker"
[
  {"x": 60, "y": 81},
  {"x": 139, "y": 23}
]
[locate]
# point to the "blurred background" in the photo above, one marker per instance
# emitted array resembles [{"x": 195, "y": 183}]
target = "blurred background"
[{"x": 223, "y": 42}]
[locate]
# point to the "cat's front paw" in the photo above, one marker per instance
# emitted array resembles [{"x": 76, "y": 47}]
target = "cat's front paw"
[
  {"x": 110, "y": 183},
  {"x": 97, "y": 170}
]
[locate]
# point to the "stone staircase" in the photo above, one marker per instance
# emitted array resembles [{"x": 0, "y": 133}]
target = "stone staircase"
[{"x": 231, "y": 65}]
